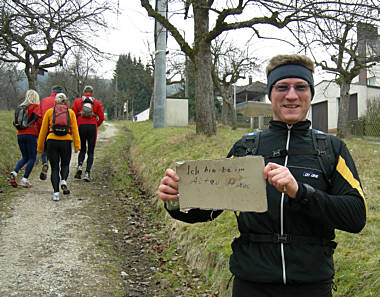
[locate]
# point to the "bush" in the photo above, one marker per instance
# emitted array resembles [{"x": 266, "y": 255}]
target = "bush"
[{"x": 372, "y": 118}]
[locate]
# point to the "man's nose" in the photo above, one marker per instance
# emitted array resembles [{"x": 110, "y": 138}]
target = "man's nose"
[{"x": 292, "y": 94}]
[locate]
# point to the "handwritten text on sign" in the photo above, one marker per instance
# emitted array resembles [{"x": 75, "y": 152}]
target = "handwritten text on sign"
[{"x": 231, "y": 184}]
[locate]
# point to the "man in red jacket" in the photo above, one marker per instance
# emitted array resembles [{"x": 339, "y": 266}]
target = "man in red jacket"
[
  {"x": 45, "y": 104},
  {"x": 90, "y": 116}
]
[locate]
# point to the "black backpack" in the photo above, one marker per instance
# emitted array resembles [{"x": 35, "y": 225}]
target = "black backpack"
[
  {"x": 21, "y": 117},
  {"x": 61, "y": 120},
  {"x": 321, "y": 144}
]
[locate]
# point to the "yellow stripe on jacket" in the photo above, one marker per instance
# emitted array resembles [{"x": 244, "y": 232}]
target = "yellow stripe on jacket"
[
  {"x": 346, "y": 173},
  {"x": 47, "y": 122}
]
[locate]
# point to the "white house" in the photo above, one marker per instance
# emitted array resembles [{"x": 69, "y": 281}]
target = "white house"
[
  {"x": 325, "y": 104},
  {"x": 176, "y": 109},
  {"x": 366, "y": 86},
  {"x": 142, "y": 116}
]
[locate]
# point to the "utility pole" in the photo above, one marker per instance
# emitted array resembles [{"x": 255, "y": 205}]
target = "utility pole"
[{"x": 159, "y": 89}]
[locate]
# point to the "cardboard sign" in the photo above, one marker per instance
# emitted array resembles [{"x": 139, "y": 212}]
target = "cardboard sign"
[{"x": 230, "y": 184}]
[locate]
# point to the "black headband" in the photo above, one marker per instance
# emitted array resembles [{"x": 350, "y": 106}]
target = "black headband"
[{"x": 290, "y": 71}]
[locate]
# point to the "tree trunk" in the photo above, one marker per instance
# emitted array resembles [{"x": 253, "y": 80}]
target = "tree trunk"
[
  {"x": 233, "y": 116},
  {"x": 204, "y": 95},
  {"x": 31, "y": 75},
  {"x": 228, "y": 105},
  {"x": 151, "y": 107},
  {"x": 343, "y": 115},
  {"x": 225, "y": 110}
]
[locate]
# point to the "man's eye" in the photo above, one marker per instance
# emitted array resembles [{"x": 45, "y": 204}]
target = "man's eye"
[
  {"x": 282, "y": 88},
  {"x": 301, "y": 88}
]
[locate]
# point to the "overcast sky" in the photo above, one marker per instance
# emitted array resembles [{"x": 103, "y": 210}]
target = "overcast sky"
[{"x": 134, "y": 30}]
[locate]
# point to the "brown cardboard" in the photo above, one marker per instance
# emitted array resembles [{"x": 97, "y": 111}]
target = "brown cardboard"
[{"x": 230, "y": 184}]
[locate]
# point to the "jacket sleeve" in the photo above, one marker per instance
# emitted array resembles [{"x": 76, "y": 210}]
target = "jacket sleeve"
[
  {"x": 43, "y": 132},
  {"x": 195, "y": 215},
  {"x": 343, "y": 207},
  {"x": 99, "y": 113},
  {"x": 75, "y": 107},
  {"x": 237, "y": 150},
  {"x": 74, "y": 130}
]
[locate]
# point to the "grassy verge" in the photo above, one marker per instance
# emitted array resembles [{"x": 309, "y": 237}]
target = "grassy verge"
[
  {"x": 9, "y": 154},
  {"x": 358, "y": 255},
  {"x": 124, "y": 205},
  {"x": 207, "y": 246}
]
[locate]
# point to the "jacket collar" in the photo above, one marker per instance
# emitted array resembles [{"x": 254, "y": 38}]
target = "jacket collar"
[{"x": 299, "y": 127}]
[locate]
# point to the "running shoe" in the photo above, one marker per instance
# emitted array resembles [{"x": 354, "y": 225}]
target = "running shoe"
[
  {"x": 25, "y": 183},
  {"x": 78, "y": 175},
  {"x": 87, "y": 176},
  {"x": 64, "y": 187},
  {"x": 13, "y": 179},
  {"x": 43, "y": 174},
  {"x": 56, "y": 196}
]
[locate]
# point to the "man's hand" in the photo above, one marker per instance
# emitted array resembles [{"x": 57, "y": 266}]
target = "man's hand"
[
  {"x": 281, "y": 178},
  {"x": 76, "y": 150},
  {"x": 168, "y": 188}
]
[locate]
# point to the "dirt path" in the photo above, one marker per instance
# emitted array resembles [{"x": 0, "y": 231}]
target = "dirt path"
[
  {"x": 95, "y": 242},
  {"x": 48, "y": 248}
]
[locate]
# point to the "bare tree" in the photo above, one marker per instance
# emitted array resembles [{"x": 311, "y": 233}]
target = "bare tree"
[
  {"x": 10, "y": 91},
  {"x": 79, "y": 72},
  {"x": 230, "y": 15},
  {"x": 40, "y": 34},
  {"x": 230, "y": 64},
  {"x": 343, "y": 43}
]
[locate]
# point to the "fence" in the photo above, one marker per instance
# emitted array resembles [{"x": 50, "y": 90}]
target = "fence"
[
  {"x": 245, "y": 122},
  {"x": 363, "y": 127}
]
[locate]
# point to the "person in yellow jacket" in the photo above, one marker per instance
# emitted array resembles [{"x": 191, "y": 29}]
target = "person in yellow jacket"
[{"x": 59, "y": 147}]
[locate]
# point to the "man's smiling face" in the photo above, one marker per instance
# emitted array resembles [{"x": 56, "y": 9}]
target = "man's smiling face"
[{"x": 290, "y": 99}]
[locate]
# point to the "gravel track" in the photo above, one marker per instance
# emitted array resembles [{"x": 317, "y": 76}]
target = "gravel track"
[{"x": 47, "y": 248}]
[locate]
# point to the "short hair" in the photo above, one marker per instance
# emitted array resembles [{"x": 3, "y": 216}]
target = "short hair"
[
  {"x": 31, "y": 97},
  {"x": 88, "y": 89},
  {"x": 60, "y": 98},
  {"x": 295, "y": 59},
  {"x": 56, "y": 89},
  {"x": 289, "y": 66}
]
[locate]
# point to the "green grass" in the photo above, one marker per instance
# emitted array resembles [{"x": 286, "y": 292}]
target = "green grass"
[
  {"x": 206, "y": 247},
  {"x": 9, "y": 153},
  {"x": 357, "y": 256}
]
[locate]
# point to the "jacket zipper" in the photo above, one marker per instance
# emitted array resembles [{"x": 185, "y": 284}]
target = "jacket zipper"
[{"x": 282, "y": 211}]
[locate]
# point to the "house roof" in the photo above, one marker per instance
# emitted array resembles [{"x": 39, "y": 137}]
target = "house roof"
[
  {"x": 173, "y": 89},
  {"x": 256, "y": 88}
]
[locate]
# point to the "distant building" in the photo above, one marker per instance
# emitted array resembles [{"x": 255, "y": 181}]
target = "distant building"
[
  {"x": 325, "y": 105},
  {"x": 142, "y": 116},
  {"x": 251, "y": 102},
  {"x": 171, "y": 91},
  {"x": 255, "y": 91}
]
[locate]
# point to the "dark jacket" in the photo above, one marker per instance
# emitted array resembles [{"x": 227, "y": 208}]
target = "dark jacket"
[{"x": 303, "y": 253}]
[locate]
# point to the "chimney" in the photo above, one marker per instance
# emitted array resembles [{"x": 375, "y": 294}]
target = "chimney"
[{"x": 366, "y": 32}]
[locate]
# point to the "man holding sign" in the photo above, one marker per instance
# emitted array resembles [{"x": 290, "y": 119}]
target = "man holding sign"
[{"x": 312, "y": 188}]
